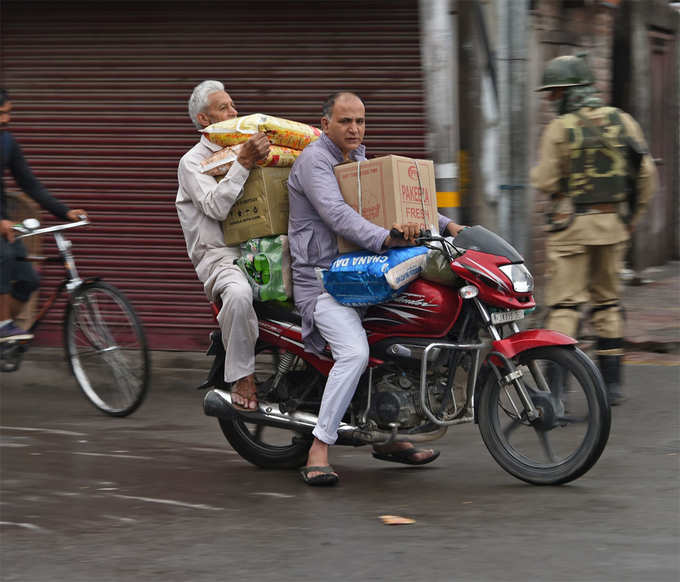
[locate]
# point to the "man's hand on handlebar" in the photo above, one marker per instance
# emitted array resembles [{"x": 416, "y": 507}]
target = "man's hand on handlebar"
[
  {"x": 76, "y": 215},
  {"x": 402, "y": 235},
  {"x": 6, "y": 230},
  {"x": 454, "y": 229}
]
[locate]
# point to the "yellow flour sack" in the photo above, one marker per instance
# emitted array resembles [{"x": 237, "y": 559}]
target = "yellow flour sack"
[
  {"x": 219, "y": 163},
  {"x": 282, "y": 132}
]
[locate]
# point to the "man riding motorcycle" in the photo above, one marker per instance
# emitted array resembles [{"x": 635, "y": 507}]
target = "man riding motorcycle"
[{"x": 318, "y": 213}]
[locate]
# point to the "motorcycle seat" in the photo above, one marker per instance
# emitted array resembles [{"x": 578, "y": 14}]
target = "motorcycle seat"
[{"x": 273, "y": 310}]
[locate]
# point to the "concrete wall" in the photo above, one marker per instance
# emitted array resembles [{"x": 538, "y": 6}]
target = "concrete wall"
[{"x": 561, "y": 28}]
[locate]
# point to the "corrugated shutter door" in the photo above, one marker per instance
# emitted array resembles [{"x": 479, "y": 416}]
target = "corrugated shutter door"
[{"x": 100, "y": 90}]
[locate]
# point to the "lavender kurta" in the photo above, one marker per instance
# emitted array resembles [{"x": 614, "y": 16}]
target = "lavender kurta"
[{"x": 318, "y": 213}]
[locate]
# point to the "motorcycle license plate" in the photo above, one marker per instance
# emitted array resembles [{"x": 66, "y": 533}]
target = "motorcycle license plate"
[{"x": 500, "y": 317}]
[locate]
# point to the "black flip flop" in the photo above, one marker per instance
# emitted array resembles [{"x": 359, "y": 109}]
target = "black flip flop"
[
  {"x": 406, "y": 456},
  {"x": 327, "y": 478}
]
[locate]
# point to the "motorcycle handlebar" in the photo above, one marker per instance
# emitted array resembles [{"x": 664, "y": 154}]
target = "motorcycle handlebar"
[
  {"x": 423, "y": 234},
  {"x": 426, "y": 236}
]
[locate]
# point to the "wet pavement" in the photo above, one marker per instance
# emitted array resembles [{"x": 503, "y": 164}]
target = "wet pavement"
[
  {"x": 651, "y": 304},
  {"x": 160, "y": 495}
]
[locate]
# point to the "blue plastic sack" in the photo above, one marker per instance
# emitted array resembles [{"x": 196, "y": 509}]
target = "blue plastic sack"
[{"x": 366, "y": 278}]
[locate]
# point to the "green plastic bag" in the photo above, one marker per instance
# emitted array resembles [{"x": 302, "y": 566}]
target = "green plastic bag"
[
  {"x": 438, "y": 270},
  {"x": 266, "y": 264}
]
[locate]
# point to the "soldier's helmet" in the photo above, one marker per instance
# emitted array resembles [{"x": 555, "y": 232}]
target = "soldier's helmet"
[{"x": 566, "y": 71}]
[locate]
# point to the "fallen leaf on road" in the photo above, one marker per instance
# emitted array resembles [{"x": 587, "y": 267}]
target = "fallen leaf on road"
[{"x": 396, "y": 520}]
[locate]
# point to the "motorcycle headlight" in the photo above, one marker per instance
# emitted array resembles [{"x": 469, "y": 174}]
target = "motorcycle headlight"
[{"x": 521, "y": 278}]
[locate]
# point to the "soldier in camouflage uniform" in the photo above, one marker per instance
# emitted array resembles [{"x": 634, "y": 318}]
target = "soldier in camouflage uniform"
[{"x": 584, "y": 168}]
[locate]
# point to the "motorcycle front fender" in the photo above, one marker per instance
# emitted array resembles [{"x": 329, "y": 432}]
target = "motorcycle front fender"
[{"x": 527, "y": 340}]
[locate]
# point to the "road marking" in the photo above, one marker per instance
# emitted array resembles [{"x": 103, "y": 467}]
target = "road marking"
[
  {"x": 208, "y": 450},
  {"x": 118, "y": 518},
  {"x": 46, "y": 430},
  {"x": 652, "y": 363},
  {"x": 169, "y": 502},
  {"x": 272, "y": 494},
  {"x": 112, "y": 455},
  {"x": 30, "y": 526}
]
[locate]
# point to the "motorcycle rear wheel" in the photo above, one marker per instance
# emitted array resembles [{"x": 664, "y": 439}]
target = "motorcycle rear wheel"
[
  {"x": 263, "y": 446},
  {"x": 573, "y": 427}
]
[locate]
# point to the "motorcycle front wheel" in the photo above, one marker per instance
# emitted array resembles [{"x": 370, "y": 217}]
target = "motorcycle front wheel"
[
  {"x": 265, "y": 446},
  {"x": 572, "y": 427}
]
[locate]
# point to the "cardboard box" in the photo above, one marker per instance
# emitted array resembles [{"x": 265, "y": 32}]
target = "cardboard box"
[
  {"x": 262, "y": 209},
  {"x": 394, "y": 190}
]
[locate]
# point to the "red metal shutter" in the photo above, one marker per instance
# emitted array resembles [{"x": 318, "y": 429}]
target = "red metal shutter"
[{"x": 100, "y": 91}]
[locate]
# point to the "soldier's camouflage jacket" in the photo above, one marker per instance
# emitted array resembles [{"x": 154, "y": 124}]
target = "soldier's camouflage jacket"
[{"x": 576, "y": 169}]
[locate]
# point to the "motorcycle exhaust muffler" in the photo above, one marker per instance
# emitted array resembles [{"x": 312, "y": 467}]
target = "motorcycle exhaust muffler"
[{"x": 218, "y": 403}]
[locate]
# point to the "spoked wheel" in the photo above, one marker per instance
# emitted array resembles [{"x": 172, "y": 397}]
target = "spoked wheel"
[
  {"x": 106, "y": 348},
  {"x": 571, "y": 430},
  {"x": 265, "y": 446}
]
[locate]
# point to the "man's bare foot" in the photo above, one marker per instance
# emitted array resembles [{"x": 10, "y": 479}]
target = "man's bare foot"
[{"x": 244, "y": 393}]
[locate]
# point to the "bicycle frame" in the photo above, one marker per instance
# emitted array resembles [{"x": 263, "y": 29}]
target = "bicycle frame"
[
  {"x": 72, "y": 280},
  {"x": 103, "y": 338}
]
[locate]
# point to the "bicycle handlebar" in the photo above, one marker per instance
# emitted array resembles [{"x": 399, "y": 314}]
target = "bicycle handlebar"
[{"x": 26, "y": 232}]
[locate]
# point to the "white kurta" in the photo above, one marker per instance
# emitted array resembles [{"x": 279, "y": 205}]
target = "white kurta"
[{"x": 202, "y": 204}]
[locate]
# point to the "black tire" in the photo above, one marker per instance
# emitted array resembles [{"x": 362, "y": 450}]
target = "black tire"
[
  {"x": 106, "y": 348},
  {"x": 573, "y": 429},
  {"x": 266, "y": 447}
]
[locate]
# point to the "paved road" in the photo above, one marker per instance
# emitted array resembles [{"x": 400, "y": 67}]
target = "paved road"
[{"x": 161, "y": 496}]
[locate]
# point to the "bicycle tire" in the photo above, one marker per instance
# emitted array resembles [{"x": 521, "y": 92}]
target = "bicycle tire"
[{"x": 106, "y": 348}]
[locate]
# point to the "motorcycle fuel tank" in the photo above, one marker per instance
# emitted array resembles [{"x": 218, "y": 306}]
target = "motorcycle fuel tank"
[{"x": 425, "y": 309}]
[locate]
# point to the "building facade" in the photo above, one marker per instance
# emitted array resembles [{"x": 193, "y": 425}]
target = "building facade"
[{"x": 100, "y": 92}]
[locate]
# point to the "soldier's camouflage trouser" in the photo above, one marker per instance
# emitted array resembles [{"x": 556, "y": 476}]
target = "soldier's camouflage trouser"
[{"x": 585, "y": 274}]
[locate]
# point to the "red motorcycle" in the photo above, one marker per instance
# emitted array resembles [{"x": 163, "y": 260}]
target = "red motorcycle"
[{"x": 441, "y": 355}]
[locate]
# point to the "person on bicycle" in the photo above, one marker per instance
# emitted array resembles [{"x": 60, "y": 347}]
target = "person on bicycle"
[
  {"x": 202, "y": 204},
  {"x": 18, "y": 279}
]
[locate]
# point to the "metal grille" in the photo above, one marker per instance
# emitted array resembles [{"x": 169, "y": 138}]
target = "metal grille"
[{"x": 100, "y": 90}]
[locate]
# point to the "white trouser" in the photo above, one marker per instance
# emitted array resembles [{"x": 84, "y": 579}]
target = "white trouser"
[
  {"x": 237, "y": 319},
  {"x": 341, "y": 327}
]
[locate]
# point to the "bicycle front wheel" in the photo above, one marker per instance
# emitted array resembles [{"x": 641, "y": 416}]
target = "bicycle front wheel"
[{"x": 106, "y": 348}]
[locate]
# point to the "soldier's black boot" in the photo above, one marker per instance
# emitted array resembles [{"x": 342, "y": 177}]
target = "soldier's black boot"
[
  {"x": 610, "y": 366},
  {"x": 556, "y": 378}
]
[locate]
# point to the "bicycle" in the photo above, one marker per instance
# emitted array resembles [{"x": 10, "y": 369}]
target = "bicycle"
[{"x": 104, "y": 340}]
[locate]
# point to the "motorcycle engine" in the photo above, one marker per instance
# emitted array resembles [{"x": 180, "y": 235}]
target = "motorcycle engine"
[{"x": 396, "y": 398}]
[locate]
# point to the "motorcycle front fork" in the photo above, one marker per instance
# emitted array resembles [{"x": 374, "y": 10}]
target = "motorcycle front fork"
[{"x": 513, "y": 378}]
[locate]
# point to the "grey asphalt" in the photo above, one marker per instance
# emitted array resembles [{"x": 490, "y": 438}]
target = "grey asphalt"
[{"x": 161, "y": 496}]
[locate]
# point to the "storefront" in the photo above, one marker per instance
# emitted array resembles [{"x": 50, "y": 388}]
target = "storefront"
[{"x": 100, "y": 91}]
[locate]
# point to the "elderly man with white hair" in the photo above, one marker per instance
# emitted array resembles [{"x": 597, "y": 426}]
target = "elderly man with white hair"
[{"x": 202, "y": 204}]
